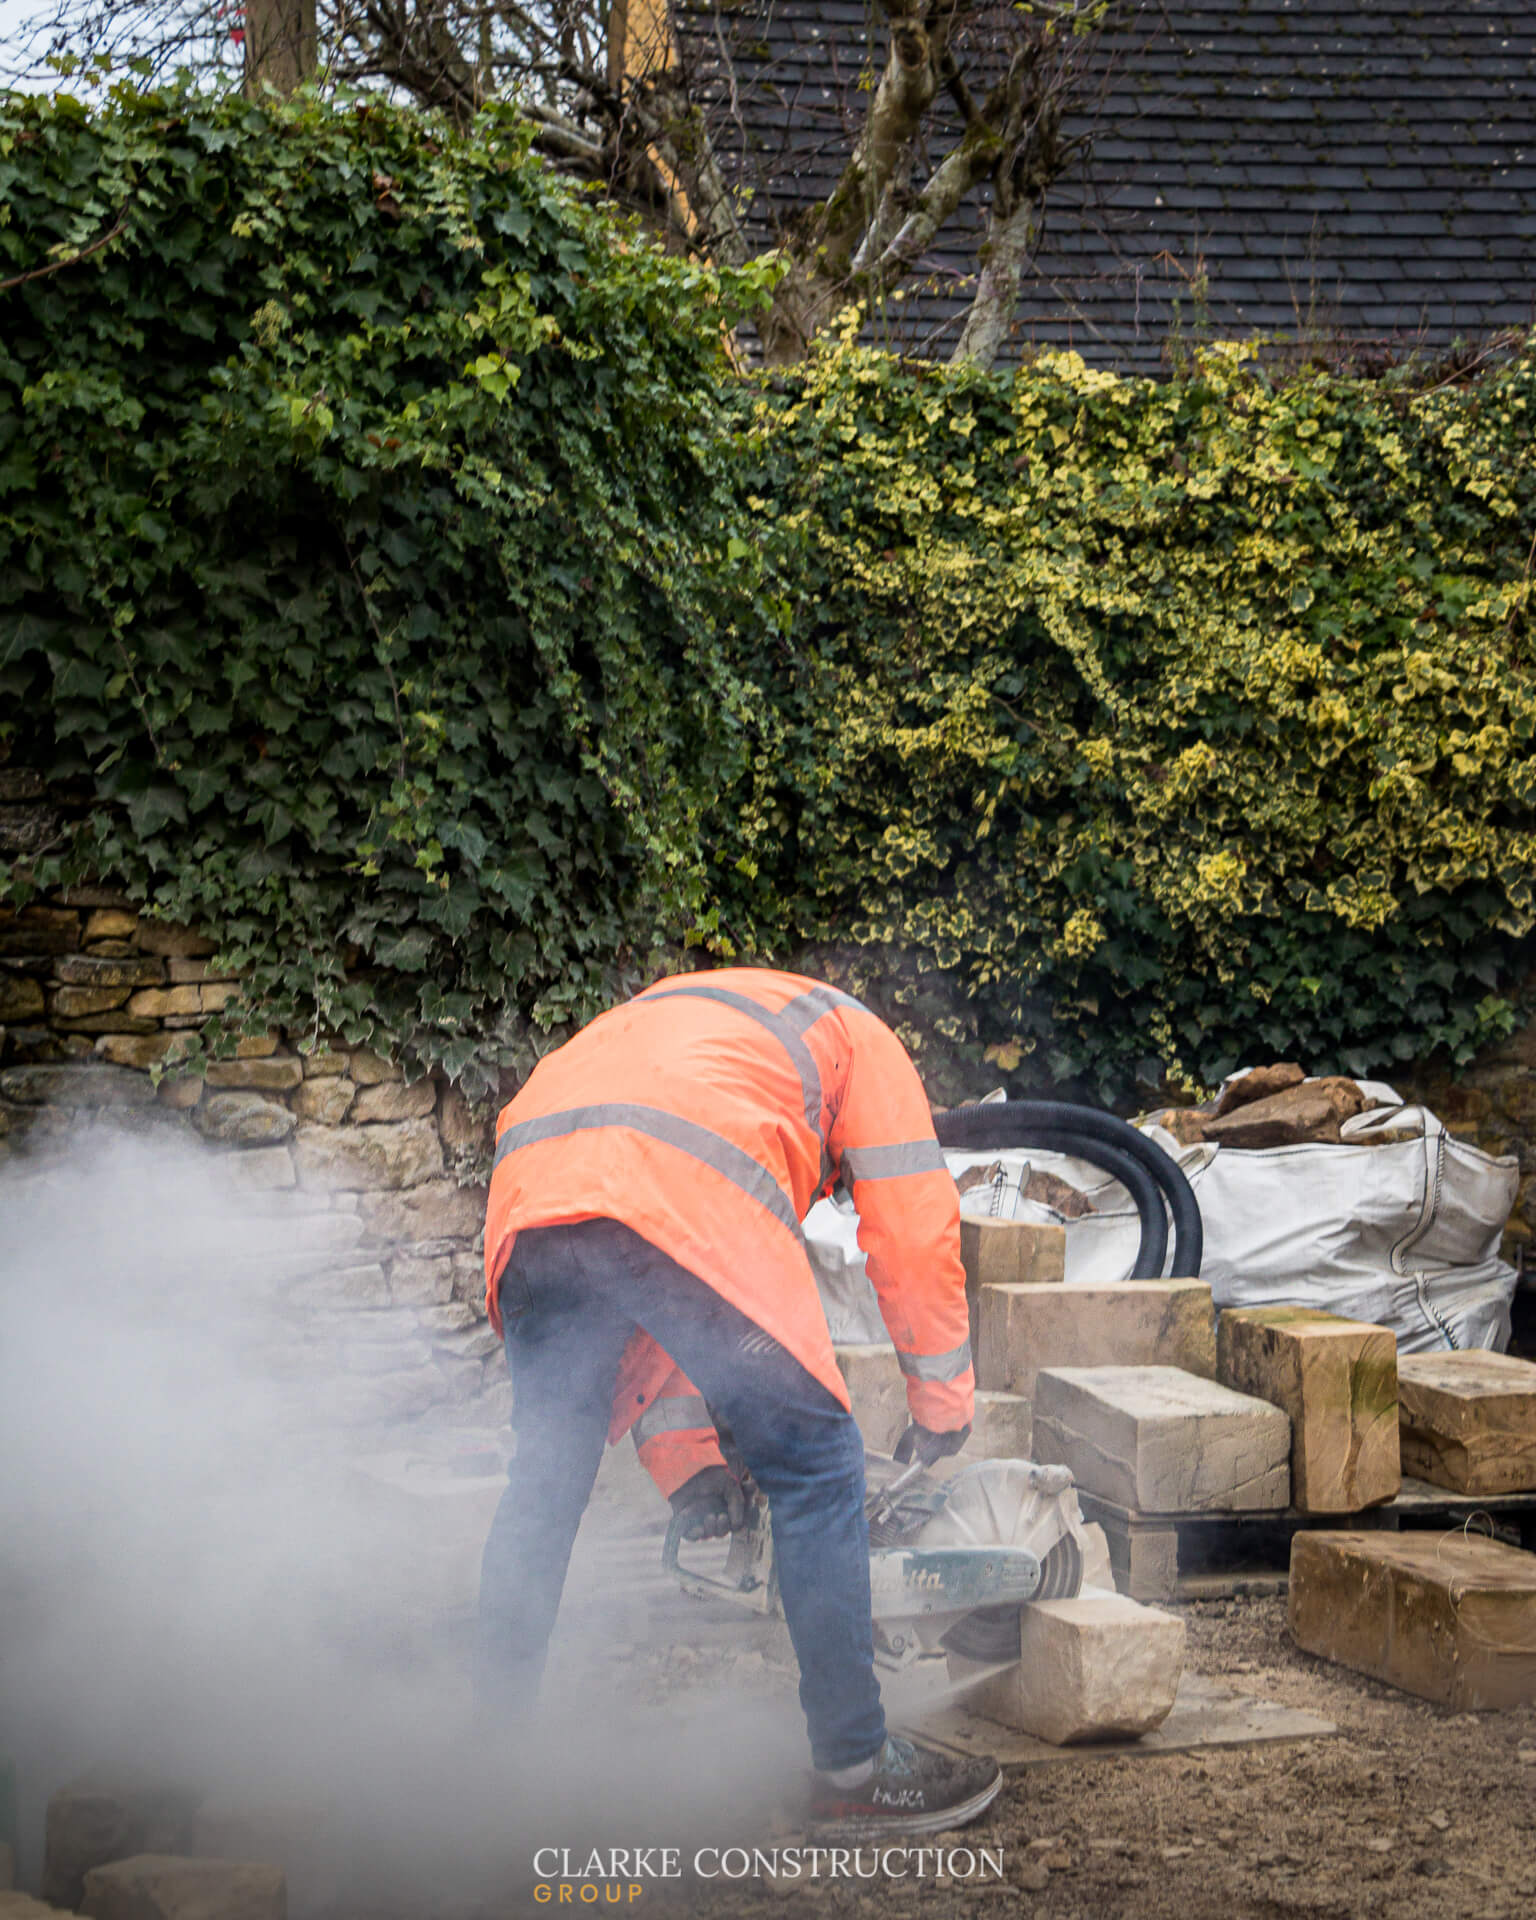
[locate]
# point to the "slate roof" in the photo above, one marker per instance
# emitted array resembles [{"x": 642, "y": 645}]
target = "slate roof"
[{"x": 1359, "y": 173}]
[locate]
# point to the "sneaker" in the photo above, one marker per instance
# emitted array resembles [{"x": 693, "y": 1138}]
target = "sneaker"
[{"x": 909, "y": 1789}]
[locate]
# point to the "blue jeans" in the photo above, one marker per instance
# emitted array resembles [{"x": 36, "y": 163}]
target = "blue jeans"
[{"x": 570, "y": 1297}]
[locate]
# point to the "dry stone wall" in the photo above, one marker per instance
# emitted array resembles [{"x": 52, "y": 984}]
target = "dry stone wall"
[{"x": 363, "y": 1194}]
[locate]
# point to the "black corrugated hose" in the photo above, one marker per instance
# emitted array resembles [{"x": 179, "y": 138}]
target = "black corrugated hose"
[{"x": 1148, "y": 1174}]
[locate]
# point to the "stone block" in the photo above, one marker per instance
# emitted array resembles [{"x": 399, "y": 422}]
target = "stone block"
[
  {"x": 370, "y": 1069},
  {"x": 1011, "y": 1252},
  {"x": 436, "y": 1210},
  {"x": 104, "y": 1023},
  {"x": 75, "y": 1003},
  {"x": 20, "y": 998},
  {"x": 88, "y": 1824},
  {"x": 320, "y": 1065},
  {"x": 140, "y": 1050},
  {"x": 75, "y": 1086},
  {"x": 255, "y": 1046},
  {"x": 1449, "y": 1616},
  {"x": 1337, "y": 1380},
  {"x": 97, "y": 970},
  {"x": 258, "y": 1170},
  {"x": 261, "y": 1076},
  {"x": 162, "y": 1886},
  {"x": 1098, "y": 1667},
  {"x": 389, "y": 1100},
  {"x": 398, "y": 1155},
  {"x": 465, "y": 1129},
  {"x": 1468, "y": 1420},
  {"x": 1002, "y": 1427},
  {"x": 194, "y": 973},
  {"x": 359, "y": 1286},
  {"x": 165, "y": 937},
  {"x": 111, "y": 923},
  {"x": 154, "y": 1003},
  {"x": 37, "y": 931},
  {"x": 180, "y": 1091},
  {"x": 1137, "y": 1323},
  {"x": 243, "y": 1120},
  {"x": 1159, "y": 1440},
  {"x": 217, "y": 995},
  {"x": 421, "y": 1282},
  {"x": 326, "y": 1102},
  {"x": 877, "y": 1390},
  {"x": 21, "y": 1906}
]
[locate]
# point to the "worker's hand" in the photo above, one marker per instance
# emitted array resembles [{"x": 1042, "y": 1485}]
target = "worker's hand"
[
  {"x": 711, "y": 1504},
  {"x": 922, "y": 1443}
]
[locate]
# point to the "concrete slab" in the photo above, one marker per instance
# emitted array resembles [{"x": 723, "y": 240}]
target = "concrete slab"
[{"x": 1205, "y": 1713}]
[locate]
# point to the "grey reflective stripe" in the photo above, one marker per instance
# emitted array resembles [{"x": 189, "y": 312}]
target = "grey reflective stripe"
[
  {"x": 807, "y": 1008},
  {"x": 890, "y": 1163},
  {"x": 787, "y": 1036},
  {"x": 680, "y": 1414},
  {"x": 935, "y": 1366},
  {"x": 723, "y": 1155}
]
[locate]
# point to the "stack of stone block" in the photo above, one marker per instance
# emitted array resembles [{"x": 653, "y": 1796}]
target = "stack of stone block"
[{"x": 362, "y": 1195}]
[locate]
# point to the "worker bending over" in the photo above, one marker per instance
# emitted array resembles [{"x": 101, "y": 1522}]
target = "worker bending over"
[{"x": 645, "y": 1265}]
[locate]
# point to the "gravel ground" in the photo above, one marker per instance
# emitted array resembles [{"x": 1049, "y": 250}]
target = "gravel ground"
[{"x": 1409, "y": 1811}]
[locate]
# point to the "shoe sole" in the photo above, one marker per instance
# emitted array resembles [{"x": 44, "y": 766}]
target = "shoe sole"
[{"x": 865, "y": 1826}]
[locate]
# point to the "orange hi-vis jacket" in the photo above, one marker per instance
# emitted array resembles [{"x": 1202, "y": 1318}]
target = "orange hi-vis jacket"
[{"x": 707, "y": 1115}]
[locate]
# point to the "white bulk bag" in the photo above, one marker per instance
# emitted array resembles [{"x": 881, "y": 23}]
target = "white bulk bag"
[{"x": 1403, "y": 1232}]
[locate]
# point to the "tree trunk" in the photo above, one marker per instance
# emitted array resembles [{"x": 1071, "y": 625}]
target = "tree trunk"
[
  {"x": 1009, "y": 245},
  {"x": 279, "y": 45}
]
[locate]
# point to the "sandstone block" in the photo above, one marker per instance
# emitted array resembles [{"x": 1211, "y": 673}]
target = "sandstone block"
[
  {"x": 111, "y": 923},
  {"x": 436, "y": 1210},
  {"x": 104, "y": 1023},
  {"x": 1448, "y": 1616},
  {"x": 95, "y": 970},
  {"x": 140, "y": 1050},
  {"x": 1158, "y": 1440},
  {"x": 20, "y": 998},
  {"x": 397, "y": 1155},
  {"x": 255, "y": 1046},
  {"x": 1151, "y": 1323},
  {"x": 153, "y": 1003},
  {"x": 179, "y": 1091},
  {"x": 263, "y": 1076},
  {"x": 162, "y": 1886},
  {"x": 1011, "y": 1252},
  {"x": 193, "y": 973},
  {"x": 87, "y": 1825},
  {"x": 1337, "y": 1380},
  {"x": 216, "y": 995},
  {"x": 38, "y": 930},
  {"x": 418, "y": 1282},
  {"x": 243, "y": 1120},
  {"x": 258, "y": 1170},
  {"x": 465, "y": 1129},
  {"x": 370, "y": 1069},
  {"x": 392, "y": 1101},
  {"x": 165, "y": 937},
  {"x": 1002, "y": 1427},
  {"x": 325, "y": 1102},
  {"x": 74, "y": 1003},
  {"x": 75, "y": 1086},
  {"x": 877, "y": 1389},
  {"x": 317, "y": 1066},
  {"x": 1468, "y": 1420},
  {"x": 1099, "y": 1667}
]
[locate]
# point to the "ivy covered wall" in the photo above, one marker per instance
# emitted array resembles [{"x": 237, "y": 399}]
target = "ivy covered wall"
[{"x": 399, "y": 584}]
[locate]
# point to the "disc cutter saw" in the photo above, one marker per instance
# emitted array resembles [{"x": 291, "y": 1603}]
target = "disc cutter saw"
[{"x": 951, "y": 1561}]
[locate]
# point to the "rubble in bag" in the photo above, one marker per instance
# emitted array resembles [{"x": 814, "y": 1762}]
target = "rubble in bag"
[
  {"x": 1274, "y": 1106},
  {"x": 1044, "y": 1189}
]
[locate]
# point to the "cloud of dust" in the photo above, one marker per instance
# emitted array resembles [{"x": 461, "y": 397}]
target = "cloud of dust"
[{"x": 198, "y": 1588}]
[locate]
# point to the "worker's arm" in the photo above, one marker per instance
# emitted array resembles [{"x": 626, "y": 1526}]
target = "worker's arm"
[
  {"x": 909, "y": 1223},
  {"x": 656, "y": 1401}
]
